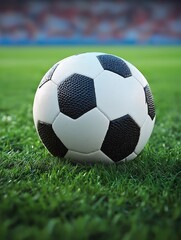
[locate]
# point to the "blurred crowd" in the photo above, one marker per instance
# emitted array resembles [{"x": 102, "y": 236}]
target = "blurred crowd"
[{"x": 119, "y": 20}]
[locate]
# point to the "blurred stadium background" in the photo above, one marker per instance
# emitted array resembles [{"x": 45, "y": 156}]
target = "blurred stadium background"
[{"x": 90, "y": 22}]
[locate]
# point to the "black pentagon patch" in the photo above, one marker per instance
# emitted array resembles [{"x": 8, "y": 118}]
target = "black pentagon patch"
[
  {"x": 149, "y": 101},
  {"x": 76, "y": 95},
  {"x": 121, "y": 138},
  {"x": 50, "y": 140},
  {"x": 48, "y": 75},
  {"x": 114, "y": 64}
]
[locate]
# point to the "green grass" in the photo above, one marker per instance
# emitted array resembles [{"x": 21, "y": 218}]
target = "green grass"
[{"x": 42, "y": 197}]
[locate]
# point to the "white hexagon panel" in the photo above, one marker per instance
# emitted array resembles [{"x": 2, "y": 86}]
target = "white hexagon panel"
[
  {"x": 84, "y": 134},
  {"x": 83, "y": 64},
  {"x": 137, "y": 74},
  {"x": 117, "y": 96},
  {"x": 45, "y": 107},
  {"x": 145, "y": 134},
  {"x": 92, "y": 157}
]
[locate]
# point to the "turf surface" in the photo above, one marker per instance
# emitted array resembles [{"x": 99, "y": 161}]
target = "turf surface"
[{"x": 42, "y": 197}]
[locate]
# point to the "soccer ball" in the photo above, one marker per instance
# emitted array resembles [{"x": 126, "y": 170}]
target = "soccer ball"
[{"x": 94, "y": 107}]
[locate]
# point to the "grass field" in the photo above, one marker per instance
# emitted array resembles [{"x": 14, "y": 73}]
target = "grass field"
[{"x": 42, "y": 197}]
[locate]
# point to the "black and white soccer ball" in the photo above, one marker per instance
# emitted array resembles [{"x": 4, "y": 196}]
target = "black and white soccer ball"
[{"x": 94, "y": 107}]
